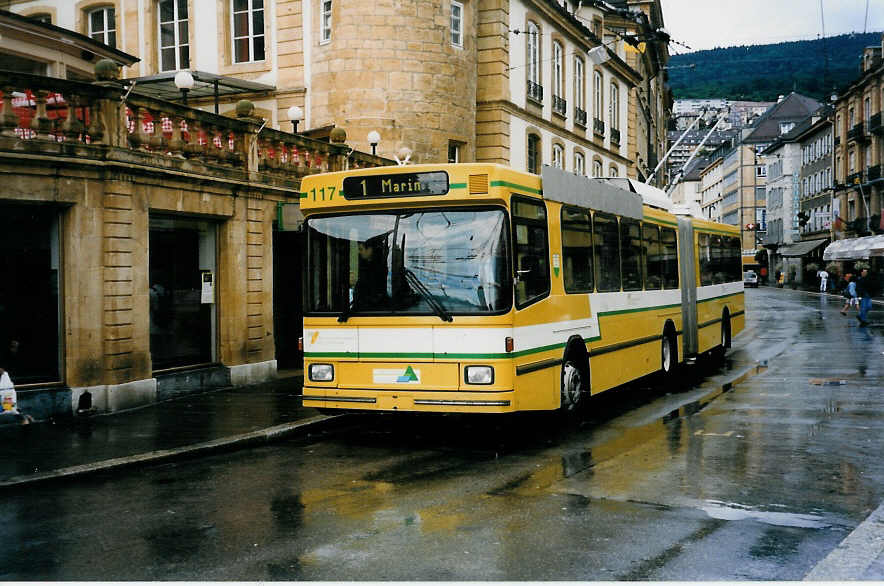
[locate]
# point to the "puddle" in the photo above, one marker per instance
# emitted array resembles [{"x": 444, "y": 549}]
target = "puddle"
[{"x": 736, "y": 512}]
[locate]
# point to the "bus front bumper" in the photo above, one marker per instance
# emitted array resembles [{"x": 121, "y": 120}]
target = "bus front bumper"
[{"x": 401, "y": 400}]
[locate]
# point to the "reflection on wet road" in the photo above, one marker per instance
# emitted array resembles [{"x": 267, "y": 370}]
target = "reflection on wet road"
[{"x": 754, "y": 469}]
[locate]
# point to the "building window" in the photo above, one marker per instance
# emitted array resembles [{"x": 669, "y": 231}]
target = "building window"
[
  {"x": 558, "y": 156},
  {"x": 596, "y": 168},
  {"x": 325, "y": 17},
  {"x": 598, "y": 99},
  {"x": 535, "y": 90},
  {"x": 248, "y": 30},
  {"x": 457, "y": 24},
  {"x": 533, "y": 154},
  {"x": 43, "y": 17},
  {"x": 102, "y": 26},
  {"x": 579, "y": 92},
  {"x": 760, "y": 171},
  {"x": 612, "y": 172},
  {"x": 558, "y": 72},
  {"x": 615, "y": 107},
  {"x": 174, "y": 35},
  {"x": 454, "y": 151},
  {"x": 579, "y": 164}
]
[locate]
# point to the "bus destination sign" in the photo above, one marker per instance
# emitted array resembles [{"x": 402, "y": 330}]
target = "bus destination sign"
[{"x": 396, "y": 185}]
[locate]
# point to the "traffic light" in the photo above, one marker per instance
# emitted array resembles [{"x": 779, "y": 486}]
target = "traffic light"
[
  {"x": 803, "y": 218},
  {"x": 751, "y": 226}
]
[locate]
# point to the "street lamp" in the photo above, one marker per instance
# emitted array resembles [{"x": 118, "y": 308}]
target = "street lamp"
[
  {"x": 184, "y": 82},
  {"x": 373, "y": 139},
  {"x": 598, "y": 55},
  {"x": 295, "y": 114}
]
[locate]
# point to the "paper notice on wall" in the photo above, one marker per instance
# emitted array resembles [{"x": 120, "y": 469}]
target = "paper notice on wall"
[{"x": 207, "y": 294}]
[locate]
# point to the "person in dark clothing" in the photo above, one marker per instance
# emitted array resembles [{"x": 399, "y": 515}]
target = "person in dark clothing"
[{"x": 866, "y": 287}]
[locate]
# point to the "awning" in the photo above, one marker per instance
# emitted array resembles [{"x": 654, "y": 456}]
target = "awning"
[
  {"x": 855, "y": 248},
  {"x": 206, "y": 85},
  {"x": 800, "y": 248}
]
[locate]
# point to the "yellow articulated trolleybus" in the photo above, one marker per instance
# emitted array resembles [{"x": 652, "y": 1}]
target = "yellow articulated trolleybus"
[{"x": 475, "y": 288}]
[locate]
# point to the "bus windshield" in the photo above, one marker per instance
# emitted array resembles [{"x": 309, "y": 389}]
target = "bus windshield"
[{"x": 430, "y": 262}]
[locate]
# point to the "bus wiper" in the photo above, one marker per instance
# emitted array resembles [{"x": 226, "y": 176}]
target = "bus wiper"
[{"x": 425, "y": 293}]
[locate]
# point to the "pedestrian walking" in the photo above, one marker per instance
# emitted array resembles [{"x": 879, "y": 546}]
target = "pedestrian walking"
[
  {"x": 824, "y": 277},
  {"x": 866, "y": 287},
  {"x": 848, "y": 289}
]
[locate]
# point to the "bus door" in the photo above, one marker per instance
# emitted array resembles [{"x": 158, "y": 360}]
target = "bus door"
[{"x": 688, "y": 278}]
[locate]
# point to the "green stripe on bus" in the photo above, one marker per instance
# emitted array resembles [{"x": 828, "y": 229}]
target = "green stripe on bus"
[
  {"x": 303, "y": 195},
  {"x": 457, "y": 186},
  {"x": 516, "y": 186}
]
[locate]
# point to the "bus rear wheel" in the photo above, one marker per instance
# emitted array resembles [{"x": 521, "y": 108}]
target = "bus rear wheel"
[
  {"x": 573, "y": 386},
  {"x": 668, "y": 358},
  {"x": 719, "y": 352}
]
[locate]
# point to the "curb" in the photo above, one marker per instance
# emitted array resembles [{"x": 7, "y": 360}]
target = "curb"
[
  {"x": 855, "y": 553},
  {"x": 261, "y": 436}
]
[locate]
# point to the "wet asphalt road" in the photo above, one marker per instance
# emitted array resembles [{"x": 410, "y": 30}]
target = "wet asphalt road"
[{"x": 753, "y": 469}]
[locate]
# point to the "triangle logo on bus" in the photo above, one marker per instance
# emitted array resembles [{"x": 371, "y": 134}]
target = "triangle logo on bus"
[{"x": 408, "y": 377}]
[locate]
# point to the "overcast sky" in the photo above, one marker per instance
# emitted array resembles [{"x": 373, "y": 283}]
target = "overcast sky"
[{"x": 705, "y": 24}]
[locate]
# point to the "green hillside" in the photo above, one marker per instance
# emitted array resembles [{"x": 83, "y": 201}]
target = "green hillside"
[{"x": 762, "y": 72}]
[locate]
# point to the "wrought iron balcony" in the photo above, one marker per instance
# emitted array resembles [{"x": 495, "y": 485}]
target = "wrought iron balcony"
[
  {"x": 580, "y": 117},
  {"x": 598, "y": 127},
  {"x": 858, "y": 133},
  {"x": 615, "y": 136},
  {"x": 560, "y": 106},
  {"x": 535, "y": 92}
]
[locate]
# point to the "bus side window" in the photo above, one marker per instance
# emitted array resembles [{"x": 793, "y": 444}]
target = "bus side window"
[
  {"x": 705, "y": 256},
  {"x": 718, "y": 265},
  {"x": 670, "y": 258},
  {"x": 631, "y": 254},
  {"x": 736, "y": 260},
  {"x": 576, "y": 250},
  {"x": 531, "y": 249},
  {"x": 653, "y": 257},
  {"x": 606, "y": 249}
]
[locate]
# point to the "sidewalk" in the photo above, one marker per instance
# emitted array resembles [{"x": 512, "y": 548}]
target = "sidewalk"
[{"x": 184, "y": 426}]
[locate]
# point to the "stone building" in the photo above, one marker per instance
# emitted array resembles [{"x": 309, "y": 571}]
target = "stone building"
[
  {"x": 710, "y": 188},
  {"x": 458, "y": 80},
  {"x": 144, "y": 251}
]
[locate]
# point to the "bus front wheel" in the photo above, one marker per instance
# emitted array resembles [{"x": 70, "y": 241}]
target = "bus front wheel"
[{"x": 573, "y": 386}]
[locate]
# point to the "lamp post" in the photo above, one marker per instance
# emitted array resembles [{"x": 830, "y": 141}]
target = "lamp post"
[
  {"x": 295, "y": 114},
  {"x": 373, "y": 139},
  {"x": 184, "y": 82}
]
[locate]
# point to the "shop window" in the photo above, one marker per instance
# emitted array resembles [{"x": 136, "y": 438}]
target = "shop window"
[
  {"x": 182, "y": 317},
  {"x": 29, "y": 294}
]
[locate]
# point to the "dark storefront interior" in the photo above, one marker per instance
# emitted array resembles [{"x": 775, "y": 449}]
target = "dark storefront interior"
[
  {"x": 29, "y": 293},
  {"x": 181, "y": 322},
  {"x": 288, "y": 251}
]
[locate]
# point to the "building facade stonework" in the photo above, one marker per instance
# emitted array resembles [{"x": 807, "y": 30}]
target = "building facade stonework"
[{"x": 446, "y": 80}]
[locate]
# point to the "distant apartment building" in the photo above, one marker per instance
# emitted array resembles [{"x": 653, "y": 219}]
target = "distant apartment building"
[
  {"x": 687, "y": 193},
  {"x": 859, "y": 150},
  {"x": 745, "y": 172},
  {"x": 682, "y": 152},
  {"x": 710, "y": 189}
]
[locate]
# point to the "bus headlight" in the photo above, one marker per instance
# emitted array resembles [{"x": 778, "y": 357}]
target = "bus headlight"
[
  {"x": 322, "y": 372},
  {"x": 480, "y": 375}
]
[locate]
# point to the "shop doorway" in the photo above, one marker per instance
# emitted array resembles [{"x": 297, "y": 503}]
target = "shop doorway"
[
  {"x": 29, "y": 293},
  {"x": 182, "y": 262},
  {"x": 288, "y": 316}
]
